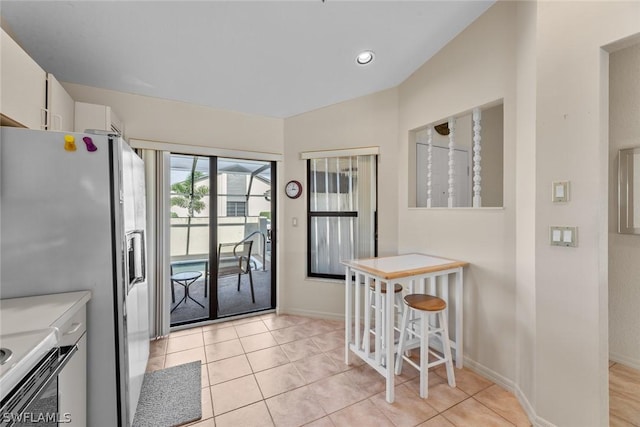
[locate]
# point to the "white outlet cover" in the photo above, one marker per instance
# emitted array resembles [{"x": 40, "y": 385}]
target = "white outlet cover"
[
  {"x": 563, "y": 236},
  {"x": 560, "y": 191}
]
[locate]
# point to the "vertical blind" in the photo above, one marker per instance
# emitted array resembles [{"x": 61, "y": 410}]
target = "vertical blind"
[
  {"x": 157, "y": 164},
  {"x": 342, "y": 208}
]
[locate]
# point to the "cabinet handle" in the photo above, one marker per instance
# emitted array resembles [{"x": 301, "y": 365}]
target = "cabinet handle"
[
  {"x": 74, "y": 328},
  {"x": 44, "y": 115},
  {"x": 59, "y": 117}
]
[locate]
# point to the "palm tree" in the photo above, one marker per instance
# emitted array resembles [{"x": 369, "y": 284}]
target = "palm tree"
[{"x": 189, "y": 197}]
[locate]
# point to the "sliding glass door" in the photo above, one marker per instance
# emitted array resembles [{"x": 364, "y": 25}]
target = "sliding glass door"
[
  {"x": 221, "y": 252},
  {"x": 244, "y": 236},
  {"x": 189, "y": 238}
]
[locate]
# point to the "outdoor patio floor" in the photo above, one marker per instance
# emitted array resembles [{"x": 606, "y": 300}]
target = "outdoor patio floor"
[{"x": 230, "y": 300}]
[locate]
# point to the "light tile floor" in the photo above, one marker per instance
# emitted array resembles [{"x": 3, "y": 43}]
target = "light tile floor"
[
  {"x": 624, "y": 396},
  {"x": 289, "y": 371}
]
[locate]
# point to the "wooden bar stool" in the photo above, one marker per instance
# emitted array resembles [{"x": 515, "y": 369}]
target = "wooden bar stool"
[
  {"x": 397, "y": 289},
  {"x": 411, "y": 336}
]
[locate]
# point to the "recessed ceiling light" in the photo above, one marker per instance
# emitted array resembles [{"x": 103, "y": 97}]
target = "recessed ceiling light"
[{"x": 365, "y": 57}]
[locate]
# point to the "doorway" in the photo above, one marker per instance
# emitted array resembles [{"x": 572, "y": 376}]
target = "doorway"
[
  {"x": 440, "y": 176},
  {"x": 623, "y": 249},
  {"x": 222, "y": 258},
  {"x": 243, "y": 237}
]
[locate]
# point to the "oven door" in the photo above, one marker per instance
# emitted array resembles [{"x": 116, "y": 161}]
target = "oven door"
[{"x": 34, "y": 401}]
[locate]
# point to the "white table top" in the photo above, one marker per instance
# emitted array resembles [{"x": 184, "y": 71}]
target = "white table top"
[{"x": 394, "y": 267}]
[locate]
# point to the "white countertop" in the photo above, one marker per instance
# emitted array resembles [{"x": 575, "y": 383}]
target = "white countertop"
[
  {"x": 29, "y": 330},
  {"x": 398, "y": 266},
  {"x": 39, "y": 312}
]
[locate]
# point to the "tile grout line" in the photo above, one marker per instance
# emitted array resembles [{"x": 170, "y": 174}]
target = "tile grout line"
[
  {"x": 273, "y": 421},
  {"x": 495, "y": 412},
  {"x": 322, "y": 351}
]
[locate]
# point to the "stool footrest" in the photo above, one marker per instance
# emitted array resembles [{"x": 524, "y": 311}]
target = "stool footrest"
[
  {"x": 372, "y": 331},
  {"x": 440, "y": 361},
  {"x": 412, "y": 343}
]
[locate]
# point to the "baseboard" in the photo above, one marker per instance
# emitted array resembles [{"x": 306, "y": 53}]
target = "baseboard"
[
  {"x": 524, "y": 402},
  {"x": 531, "y": 413},
  {"x": 509, "y": 385},
  {"x": 625, "y": 360},
  {"x": 489, "y": 374},
  {"x": 313, "y": 313}
]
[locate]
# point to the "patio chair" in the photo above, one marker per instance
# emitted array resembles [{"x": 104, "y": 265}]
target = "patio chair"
[{"x": 235, "y": 258}]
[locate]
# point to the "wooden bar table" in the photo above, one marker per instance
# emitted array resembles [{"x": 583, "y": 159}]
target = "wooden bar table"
[{"x": 412, "y": 271}]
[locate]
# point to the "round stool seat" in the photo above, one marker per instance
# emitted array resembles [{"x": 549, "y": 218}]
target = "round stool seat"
[
  {"x": 383, "y": 288},
  {"x": 425, "y": 302}
]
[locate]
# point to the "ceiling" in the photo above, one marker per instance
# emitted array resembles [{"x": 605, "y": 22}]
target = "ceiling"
[{"x": 270, "y": 58}]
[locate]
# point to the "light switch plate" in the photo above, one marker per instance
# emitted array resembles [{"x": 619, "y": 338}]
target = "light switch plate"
[
  {"x": 563, "y": 236},
  {"x": 560, "y": 191}
]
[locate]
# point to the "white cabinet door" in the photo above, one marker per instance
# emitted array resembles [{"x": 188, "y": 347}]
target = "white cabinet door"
[
  {"x": 22, "y": 85},
  {"x": 72, "y": 387},
  {"x": 61, "y": 106},
  {"x": 94, "y": 116}
]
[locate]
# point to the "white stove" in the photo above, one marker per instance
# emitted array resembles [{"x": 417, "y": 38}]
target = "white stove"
[{"x": 21, "y": 352}]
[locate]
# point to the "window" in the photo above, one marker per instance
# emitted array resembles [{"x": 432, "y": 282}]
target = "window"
[
  {"x": 342, "y": 206},
  {"x": 236, "y": 208},
  {"x": 459, "y": 161}
]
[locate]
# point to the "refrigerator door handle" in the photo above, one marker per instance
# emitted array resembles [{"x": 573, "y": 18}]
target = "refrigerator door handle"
[{"x": 137, "y": 269}]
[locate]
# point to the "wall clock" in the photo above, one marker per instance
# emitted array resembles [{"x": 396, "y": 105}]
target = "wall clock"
[{"x": 293, "y": 189}]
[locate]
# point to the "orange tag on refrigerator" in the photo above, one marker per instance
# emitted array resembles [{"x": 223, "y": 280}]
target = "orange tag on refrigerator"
[{"x": 69, "y": 143}]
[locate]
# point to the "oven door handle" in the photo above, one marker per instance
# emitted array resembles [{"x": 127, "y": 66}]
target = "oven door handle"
[{"x": 66, "y": 353}]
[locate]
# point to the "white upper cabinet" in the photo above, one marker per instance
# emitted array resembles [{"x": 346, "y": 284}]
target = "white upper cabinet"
[
  {"x": 22, "y": 86},
  {"x": 99, "y": 117},
  {"x": 60, "y": 105}
]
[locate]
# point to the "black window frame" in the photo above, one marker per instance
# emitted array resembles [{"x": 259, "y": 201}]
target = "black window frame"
[{"x": 329, "y": 214}]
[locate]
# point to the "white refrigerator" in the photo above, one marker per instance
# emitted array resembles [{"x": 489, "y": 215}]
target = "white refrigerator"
[{"x": 72, "y": 217}]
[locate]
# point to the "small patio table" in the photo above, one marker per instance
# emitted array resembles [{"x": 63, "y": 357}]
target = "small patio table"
[{"x": 186, "y": 279}]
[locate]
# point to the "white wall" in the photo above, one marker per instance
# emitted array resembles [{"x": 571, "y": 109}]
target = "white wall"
[
  {"x": 624, "y": 250},
  {"x": 476, "y": 68},
  {"x": 492, "y": 153},
  {"x": 363, "y": 122},
  {"x": 181, "y": 123},
  {"x": 571, "y": 144},
  {"x": 525, "y": 379}
]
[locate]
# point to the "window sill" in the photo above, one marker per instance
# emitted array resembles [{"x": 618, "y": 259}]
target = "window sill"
[
  {"x": 324, "y": 280},
  {"x": 468, "y": 208}
]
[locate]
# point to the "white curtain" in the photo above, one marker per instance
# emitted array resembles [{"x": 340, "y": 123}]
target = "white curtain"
[
  {"x": 366, "y": 206},
  {"x": 157, "y": 164}
]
